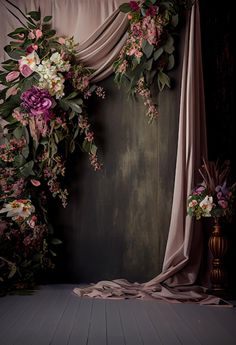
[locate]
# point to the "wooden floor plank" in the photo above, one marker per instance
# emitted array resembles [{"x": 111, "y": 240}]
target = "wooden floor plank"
[
  {"x": 205, "y": 327},
  {"x": 115, "y": 334},
  {"x": 130, "y": 328},
  {"x": 80, "y": 329},
  {"x": 53, "y": 315},
  {"x": 178, "y": 327},
  {"x": 65, "y": 324},
  {"x": 31, "y": 334},
  {"x": 97, "y": 331},
  {"x": 148, "y": 332},
  {"x": 19, "y": 316}
]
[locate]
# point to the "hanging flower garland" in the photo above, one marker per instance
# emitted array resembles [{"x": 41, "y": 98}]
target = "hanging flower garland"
[
  {"x": 148, "y": 53},
  {"x": 44, "y": 92}
]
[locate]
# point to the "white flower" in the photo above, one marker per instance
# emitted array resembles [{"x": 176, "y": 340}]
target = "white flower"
[
  {"x": 206, "y": 205},
  {"x": 18, "y": 209},
  {"x": 31, "y": 60}
]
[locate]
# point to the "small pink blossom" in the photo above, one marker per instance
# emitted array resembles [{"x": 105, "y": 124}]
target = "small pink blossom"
[
  {"x": 38, "y": 33},
  {"x": 223, "y": 203},
  {"x": 25, "y": 70},
  {"x": 31, "y": 35},
  {"x": 12, "y": 76},
  {"x": 61, "y": 40},
  {"x": 12, "y": 91},
  {"x": 35, "y": 183}
]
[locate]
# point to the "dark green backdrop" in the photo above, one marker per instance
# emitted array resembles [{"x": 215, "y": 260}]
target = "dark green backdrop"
[{"x": 116, "y": 223}]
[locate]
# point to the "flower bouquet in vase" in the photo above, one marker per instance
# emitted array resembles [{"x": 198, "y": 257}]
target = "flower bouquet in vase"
[{"x": 214, "y": 198}]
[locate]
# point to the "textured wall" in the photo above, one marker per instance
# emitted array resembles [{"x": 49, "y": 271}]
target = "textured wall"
[{"x": 116, "y": 224}]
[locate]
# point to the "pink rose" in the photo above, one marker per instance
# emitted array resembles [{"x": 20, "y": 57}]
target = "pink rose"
[
  {"x": 25, "y": 70},
  {"x": 31, "y": 35},
  {"x": 38, "y": 33},
  {"x": 35, "y": 183},
  {"x": 223, "y": 203},
  {"x": 61, "y": 40},
  {"x": 12, "y": 76}
]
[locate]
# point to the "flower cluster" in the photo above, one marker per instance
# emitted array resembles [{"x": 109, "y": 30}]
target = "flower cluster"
[
  {"x": 43, "y": 95},
  {"x": 148, "y": 53},
  {"x": 212, "y": 198}
]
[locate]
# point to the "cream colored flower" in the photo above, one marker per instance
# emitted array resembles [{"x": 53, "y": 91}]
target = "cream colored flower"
[
  {"x": 206, "y": 205},
  {"x": 18, "y": 209}
]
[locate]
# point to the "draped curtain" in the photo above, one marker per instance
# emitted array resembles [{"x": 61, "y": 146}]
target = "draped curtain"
[{"x": 101, "y": 30}]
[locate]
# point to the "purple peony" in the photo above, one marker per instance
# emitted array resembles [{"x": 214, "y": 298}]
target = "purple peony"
[{"x": 38, "y": 102}]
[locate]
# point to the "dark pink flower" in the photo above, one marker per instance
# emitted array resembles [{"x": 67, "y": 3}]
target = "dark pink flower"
[
  {"x": 152, "y": 11},
  {"x": 223, "y": 203},
  {"x": 38, "y": 102},
  {"x": 134, "y": 6}
]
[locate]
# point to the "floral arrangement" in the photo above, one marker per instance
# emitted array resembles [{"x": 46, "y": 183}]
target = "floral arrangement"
[
  {"x": 148, "y": 54},
  {"x": 213, "y": 197},
  {"x": 44, "y": 90}
]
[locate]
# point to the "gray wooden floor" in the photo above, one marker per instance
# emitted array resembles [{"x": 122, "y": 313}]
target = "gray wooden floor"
[{"x": 54, "y": 315}]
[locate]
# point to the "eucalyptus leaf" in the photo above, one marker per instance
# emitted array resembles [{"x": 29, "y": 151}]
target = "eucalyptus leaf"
[{"x": 148, "y": 50}]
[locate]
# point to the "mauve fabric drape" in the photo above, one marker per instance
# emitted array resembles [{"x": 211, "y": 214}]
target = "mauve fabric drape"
[
  {"x": 98, "y": 27},
  {"x": 101, "y": 38},
  {"x": 184, "y": 246}
]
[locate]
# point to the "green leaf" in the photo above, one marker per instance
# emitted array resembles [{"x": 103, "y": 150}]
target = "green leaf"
[
  {"x": 163, "y": 80},
  {"x": 27, "y": 169},
  {"x": 175, "y": 20},
  {"x": 36, "y": 15},
  {"x": 148, "y": 50},
  {"x": 26, "y": 134},
  {"x": 75, "y": 107},
  {"x": 93, "y": 149},
  {"x": 148, "y": 64},
  {"x": 47, "y": 19},
  {"x": 171, "y": 62},
  {"x": 18, "y": 132},
  {"x": 125, "y": 8},
  {"x": 55, "y": 241},
  {"x": 72, "y": 146},
  {"x": 25, "y": 152},
  {"x": 12, "y": 271},
  {"x": 50, "y": 33},
  {"x": 86, "y": 146},
  {"x": 71, "y": 95},
  {"x": 169, "y": 46}
]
